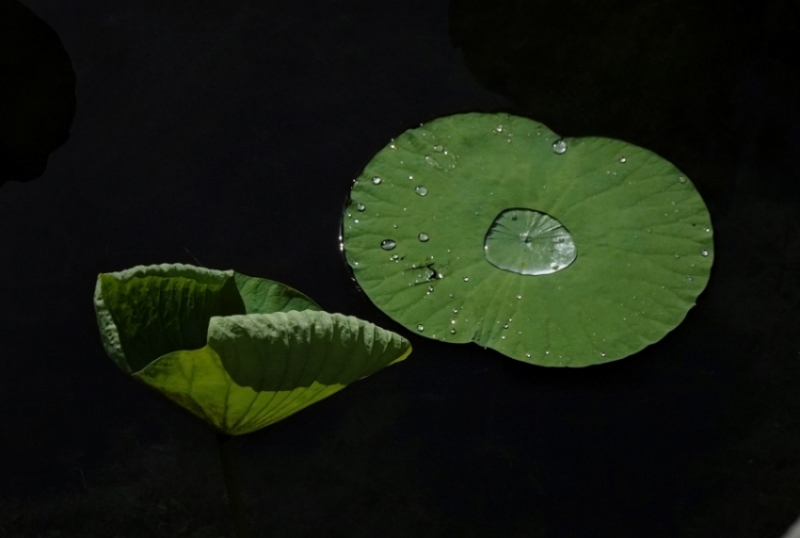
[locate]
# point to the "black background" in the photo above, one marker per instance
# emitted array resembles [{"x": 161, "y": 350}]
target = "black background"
[{"x": 229, "y": 133}]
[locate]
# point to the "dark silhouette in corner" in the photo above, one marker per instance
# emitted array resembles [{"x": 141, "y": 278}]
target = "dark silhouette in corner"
[{"x": 37, "y": 93}]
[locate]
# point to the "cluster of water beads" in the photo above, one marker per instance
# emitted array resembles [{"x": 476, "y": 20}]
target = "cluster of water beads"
[{"x": 389, "y": 244}]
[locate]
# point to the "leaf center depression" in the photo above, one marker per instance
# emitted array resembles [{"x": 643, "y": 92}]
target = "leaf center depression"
[{"x": 528, "y": 242}]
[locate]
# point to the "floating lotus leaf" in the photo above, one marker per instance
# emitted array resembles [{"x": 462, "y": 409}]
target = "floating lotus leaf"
[
  {"x": 492, "y": 229},
  {"x": 237, "y": 351}
]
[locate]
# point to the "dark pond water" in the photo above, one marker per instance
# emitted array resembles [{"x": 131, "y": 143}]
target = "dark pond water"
[{"x": 228, "y": 134}]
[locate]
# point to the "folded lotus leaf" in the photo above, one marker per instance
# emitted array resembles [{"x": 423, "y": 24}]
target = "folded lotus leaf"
[{"x": 237, "y": 351}]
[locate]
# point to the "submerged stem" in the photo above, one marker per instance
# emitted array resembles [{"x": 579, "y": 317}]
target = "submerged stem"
[{"x": 232, "y": 476}]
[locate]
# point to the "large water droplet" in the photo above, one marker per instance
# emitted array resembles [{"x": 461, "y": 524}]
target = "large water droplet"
[
  {"x": 623, "y": 160},
  {"x": 560, "y": 146},
  {"x": 438, "y": 149},
  {"x": 361, "y": 207},
  {"x": 388, "y": 244},
  {"x": 704, "y": 252},
  {"x": 423, "y": 237},
  {"x": 533, "y": 243},
  {"x": 376, "y": 180},
  {"x": 420, "y": 327},
  {"x": 682, "y": 179},
  {"x": 422, "y": 191}
]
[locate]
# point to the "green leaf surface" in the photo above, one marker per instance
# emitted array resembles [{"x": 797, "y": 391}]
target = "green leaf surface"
[
  {"x": 261, "y": 368},
  {"x": 240, "y": 352},
  {"x": 490, "y": 228}
]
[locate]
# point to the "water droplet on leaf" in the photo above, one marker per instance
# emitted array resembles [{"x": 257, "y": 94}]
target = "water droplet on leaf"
[
  {"x": 388, "y": 244},
  {"x": 423, "y": 237},
  {"x": 432, "y": 162},
  {"x": 533, "y": 243},
  {"x": 422, "y": 191},
  {"x": 560, "y": 146}
]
